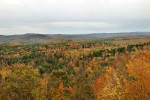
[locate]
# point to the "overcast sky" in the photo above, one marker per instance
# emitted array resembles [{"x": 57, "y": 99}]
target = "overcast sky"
[{"x": 73, "y": 16}]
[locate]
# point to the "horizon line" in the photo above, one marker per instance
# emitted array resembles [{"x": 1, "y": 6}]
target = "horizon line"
[{"x": 77, "y": 33}]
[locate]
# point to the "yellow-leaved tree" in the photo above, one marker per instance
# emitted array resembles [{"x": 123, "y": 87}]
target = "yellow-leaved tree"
[
  {"x": 109, "y": 86},
  {"x": 138, "y": 84}
]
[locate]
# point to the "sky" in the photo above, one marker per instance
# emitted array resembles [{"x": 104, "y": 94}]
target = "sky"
[{"x": 73, "y": 16}]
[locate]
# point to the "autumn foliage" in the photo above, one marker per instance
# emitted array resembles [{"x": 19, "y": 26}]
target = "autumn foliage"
[
  {"x": 81, "y": 70},
  {"x": 132, "y": 85}
]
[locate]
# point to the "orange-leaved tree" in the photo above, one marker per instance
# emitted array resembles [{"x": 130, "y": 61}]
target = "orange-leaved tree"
[
  {"x": 139, "y": 76},
  {"x": 109, "y": 86}
]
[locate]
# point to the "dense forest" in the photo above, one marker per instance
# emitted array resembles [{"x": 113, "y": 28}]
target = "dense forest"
[{"x": 77, "y": 70}]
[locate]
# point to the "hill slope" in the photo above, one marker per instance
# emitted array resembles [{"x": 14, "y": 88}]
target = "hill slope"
[{"x": 40, "y": 38}]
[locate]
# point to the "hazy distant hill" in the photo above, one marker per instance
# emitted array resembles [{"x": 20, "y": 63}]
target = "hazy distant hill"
[{"x": 39, "y": 38}]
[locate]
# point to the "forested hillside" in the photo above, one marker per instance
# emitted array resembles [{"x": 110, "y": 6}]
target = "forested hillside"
[
  {"x": 31, "y": 38},
  {"x": 77, "y": 70}
]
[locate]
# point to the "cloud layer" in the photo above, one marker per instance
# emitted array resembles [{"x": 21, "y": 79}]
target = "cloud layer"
[{"x": 73, "y": 16}]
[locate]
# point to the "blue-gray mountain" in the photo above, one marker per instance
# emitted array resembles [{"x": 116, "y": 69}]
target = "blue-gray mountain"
[{"x": 39, "y": 38}]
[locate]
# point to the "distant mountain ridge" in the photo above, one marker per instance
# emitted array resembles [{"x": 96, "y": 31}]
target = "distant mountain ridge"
[{"x": 39, "y": 38}]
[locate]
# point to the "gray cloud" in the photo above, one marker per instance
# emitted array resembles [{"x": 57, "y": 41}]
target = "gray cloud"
[{"x": 73, "y": 16}]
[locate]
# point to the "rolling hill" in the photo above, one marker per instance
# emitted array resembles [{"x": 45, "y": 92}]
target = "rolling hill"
[{"x": 40, "y": 38}]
